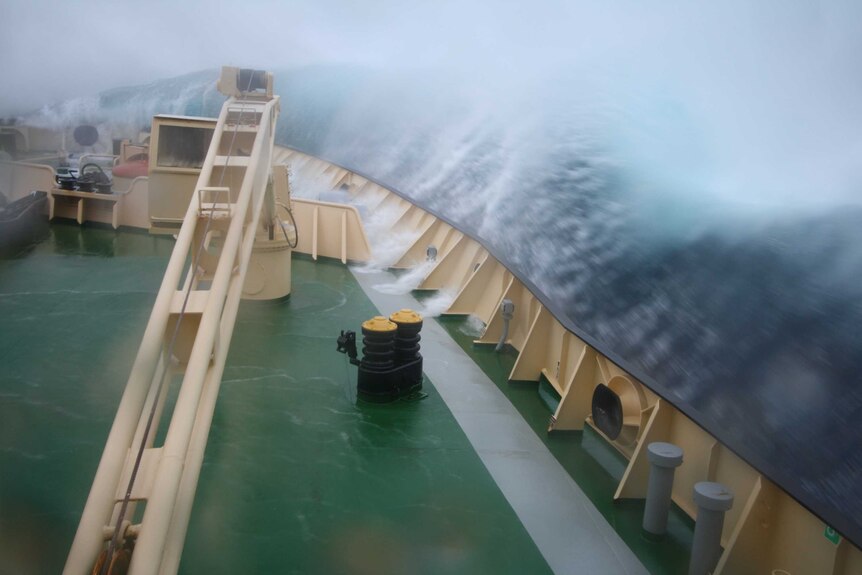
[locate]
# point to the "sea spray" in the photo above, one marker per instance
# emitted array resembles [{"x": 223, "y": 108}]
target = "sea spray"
[
  {"x": 472, "y": 327},
  {"x": 407, "y": 281}
]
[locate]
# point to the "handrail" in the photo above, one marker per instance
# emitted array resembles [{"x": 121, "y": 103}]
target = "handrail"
[{"x": 18, "y": 179}]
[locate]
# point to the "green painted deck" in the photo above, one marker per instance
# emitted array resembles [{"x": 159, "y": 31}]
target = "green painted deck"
[
  {"x": 297, "y": 477},
  {"x": 596, "y": 466}
]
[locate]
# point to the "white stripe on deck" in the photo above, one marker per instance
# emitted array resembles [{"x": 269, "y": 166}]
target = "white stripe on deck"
[{"x": 568, "y": 530}]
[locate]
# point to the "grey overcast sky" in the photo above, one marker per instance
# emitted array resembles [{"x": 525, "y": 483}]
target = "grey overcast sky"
[{"x": 56, "y": 49}]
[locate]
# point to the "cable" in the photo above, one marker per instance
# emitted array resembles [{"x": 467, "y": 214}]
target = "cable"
[{"x": 293, "y": 223}]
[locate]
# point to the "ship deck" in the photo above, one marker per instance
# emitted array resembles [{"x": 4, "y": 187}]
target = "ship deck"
[{"x": 298, "y": 476}]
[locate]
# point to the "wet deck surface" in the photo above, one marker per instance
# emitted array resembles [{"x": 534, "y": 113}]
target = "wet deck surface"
[
  {"x": 569, "y": 531},
  {"x": 298, "y": 477}
]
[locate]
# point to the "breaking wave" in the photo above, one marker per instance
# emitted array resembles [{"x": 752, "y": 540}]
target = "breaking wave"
[{"x": 735, "y": 301}]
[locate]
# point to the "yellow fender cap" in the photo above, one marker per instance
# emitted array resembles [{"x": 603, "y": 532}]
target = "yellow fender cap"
[
  {"x": 406, "y": 316},
  {"x": 379, "y": 323}
]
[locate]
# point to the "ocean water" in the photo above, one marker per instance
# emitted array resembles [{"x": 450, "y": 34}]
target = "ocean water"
[{"x": 722, "y": 272}]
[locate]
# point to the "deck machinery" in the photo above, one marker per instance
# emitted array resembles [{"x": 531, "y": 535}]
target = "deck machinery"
[{"x": 227, "y": 247}]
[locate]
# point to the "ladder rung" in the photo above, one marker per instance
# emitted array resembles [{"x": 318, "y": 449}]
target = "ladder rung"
[
  {"x": 213, "y": 193},
  {"x": 216, "y": 211},
  {"x": 143, "y": 485},
  {"x": 214, "y": 202},
  {"x": 197, "y": 302},
  {"x": 240, "y": 161},
  {"x": 240, "y": 128},
  {"x": 247, "y": 106}
]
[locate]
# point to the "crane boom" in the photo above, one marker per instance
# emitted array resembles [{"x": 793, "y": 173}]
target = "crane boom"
[{"x": 188, "y": 334}]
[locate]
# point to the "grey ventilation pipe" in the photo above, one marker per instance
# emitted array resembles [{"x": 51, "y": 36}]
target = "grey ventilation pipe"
[
  {"x": 507, "y": 308},
  {"x": 712, "y": 500},
  {"x": 431, "y": 254},
  {"x": 664, "y": 458}
]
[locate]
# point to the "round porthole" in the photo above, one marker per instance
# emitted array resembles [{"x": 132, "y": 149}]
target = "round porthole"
[
  {"x": 86, "y": 135},
  {"x": 607, "y": 411}
]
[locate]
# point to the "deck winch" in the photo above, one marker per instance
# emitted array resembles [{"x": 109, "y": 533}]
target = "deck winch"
[{"x": 391, "y": 365}]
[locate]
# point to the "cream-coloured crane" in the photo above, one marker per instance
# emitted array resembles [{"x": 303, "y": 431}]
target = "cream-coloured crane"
[{"x": 188, "y": 335}]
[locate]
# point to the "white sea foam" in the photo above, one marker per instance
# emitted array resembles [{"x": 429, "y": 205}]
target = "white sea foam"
[
  {"x": 473, "y": 327},
  {"x": 407, "y": 281},
  {"x": 437, "y": 304}
]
